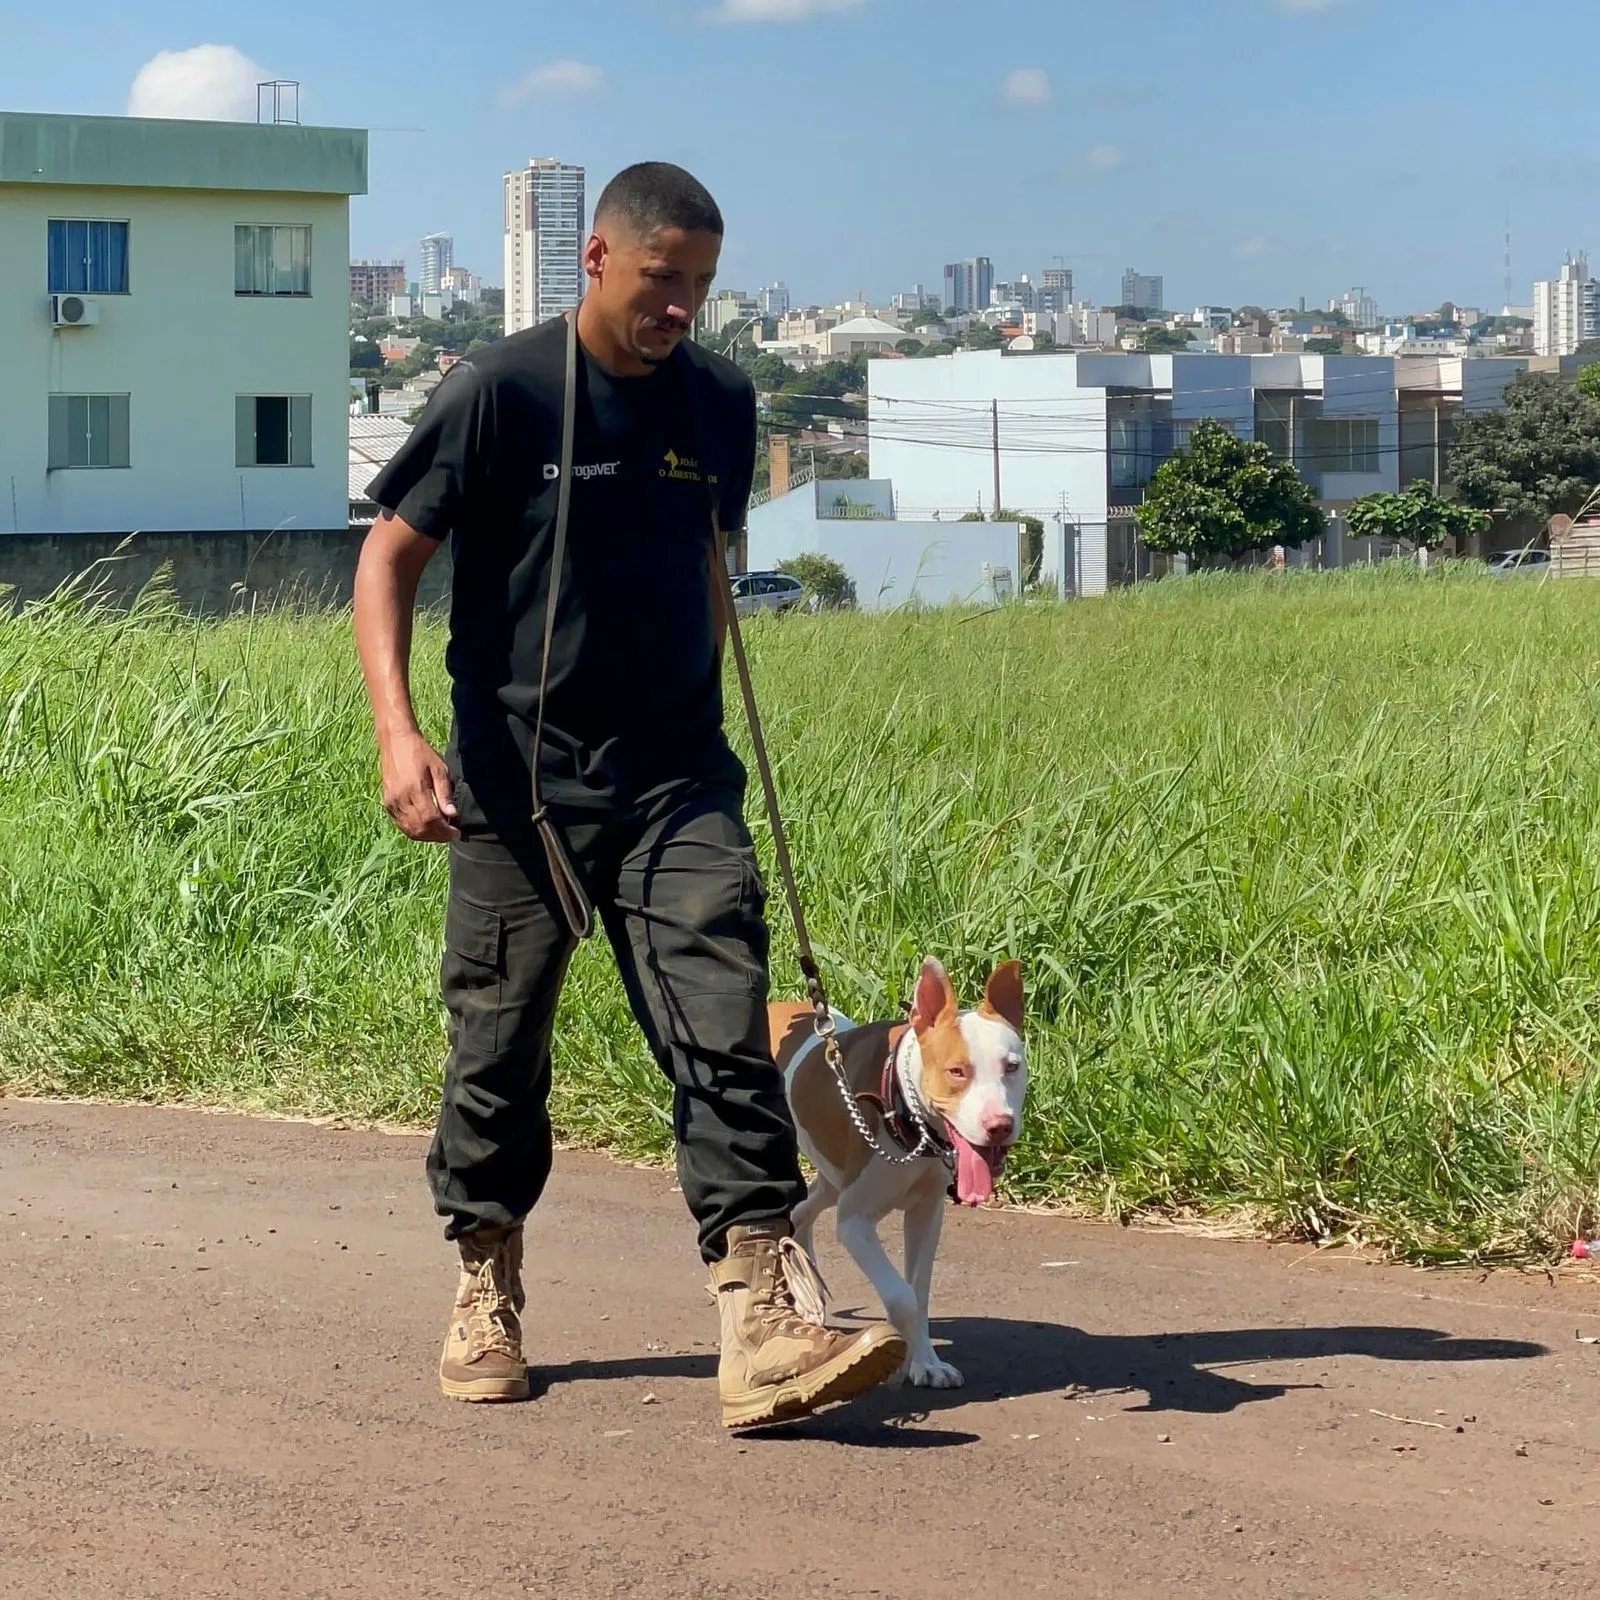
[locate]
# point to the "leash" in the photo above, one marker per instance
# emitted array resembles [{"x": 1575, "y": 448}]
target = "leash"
[
  {"x": 822, "y": 1022},
  {"x": 576, "y": 906}
]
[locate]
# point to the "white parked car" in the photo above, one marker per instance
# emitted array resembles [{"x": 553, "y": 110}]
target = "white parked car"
[
  {"x": 766, "y": 591},
  {"x": 1528, "y": 563}
]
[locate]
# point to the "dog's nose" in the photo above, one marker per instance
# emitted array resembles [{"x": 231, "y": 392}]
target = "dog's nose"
[{"x": 998, "y": 1126}]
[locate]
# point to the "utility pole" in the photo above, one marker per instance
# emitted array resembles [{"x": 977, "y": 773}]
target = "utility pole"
[
  {"x": 995, "y": 414},
  {"x": 1022, "y": 532}
]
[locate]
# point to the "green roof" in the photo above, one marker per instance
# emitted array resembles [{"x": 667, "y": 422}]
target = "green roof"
[{"x": 148, "y": 153}]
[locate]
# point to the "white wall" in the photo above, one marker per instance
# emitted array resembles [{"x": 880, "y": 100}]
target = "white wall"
[
  {"x": 931, "y": 432},
  {"x": 890, "y": 562},
  {"x": 181, "y": 345}
]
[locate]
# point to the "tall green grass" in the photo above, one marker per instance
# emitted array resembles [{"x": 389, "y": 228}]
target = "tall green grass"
[{"x": 1303, "y": 871}]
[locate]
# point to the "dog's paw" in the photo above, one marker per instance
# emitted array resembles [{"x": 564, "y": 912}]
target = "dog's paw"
[{"x": 933, "y": 1374}]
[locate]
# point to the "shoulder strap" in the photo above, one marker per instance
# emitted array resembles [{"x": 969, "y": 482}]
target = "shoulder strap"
[{"x": 575, "y": 903}]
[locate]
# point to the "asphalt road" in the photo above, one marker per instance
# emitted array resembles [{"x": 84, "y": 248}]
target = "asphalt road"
[{"x": 218, "y": 1339}]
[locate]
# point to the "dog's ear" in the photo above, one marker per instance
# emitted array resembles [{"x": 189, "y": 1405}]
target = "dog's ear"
[
  {"x": 1002, "y": 994},
  {"x": 935, "y": 998}
]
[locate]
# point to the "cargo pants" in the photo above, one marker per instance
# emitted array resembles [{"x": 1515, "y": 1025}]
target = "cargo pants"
[{"x": 678, "y": 892}]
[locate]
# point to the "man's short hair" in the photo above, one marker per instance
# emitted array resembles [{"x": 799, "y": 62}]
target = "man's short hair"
[{"x": 652, "y": 195}]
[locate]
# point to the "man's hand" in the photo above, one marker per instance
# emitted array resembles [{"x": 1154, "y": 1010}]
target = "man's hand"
[{"x": 417, "y": 792}]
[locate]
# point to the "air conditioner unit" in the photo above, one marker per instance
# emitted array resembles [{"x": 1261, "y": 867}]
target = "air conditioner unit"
[{"x": 74, "y": 311}]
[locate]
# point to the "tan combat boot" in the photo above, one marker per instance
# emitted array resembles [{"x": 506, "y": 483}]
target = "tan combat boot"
[
  {"x": 483, "y": 1351},
  {"x": 779, "y": 1361}
]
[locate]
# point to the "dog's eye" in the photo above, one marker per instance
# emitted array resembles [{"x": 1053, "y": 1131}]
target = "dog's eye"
[
  {"x": 957, "y": 1074},
  {"x": 1013, "y": 1063}
]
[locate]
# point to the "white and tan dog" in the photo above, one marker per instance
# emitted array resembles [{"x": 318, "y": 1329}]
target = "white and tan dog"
[{"x": 964, "y": 1074}]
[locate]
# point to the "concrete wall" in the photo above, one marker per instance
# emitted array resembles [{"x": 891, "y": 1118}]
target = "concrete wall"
[
  {"x": 931, "y": 431},
  {"x": 890, "y": 563},
  {"x": 181, "y": 345},
  {"x": 212, "y": 573}
]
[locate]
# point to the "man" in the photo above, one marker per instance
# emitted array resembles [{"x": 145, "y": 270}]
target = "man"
[{"x": 635, "y": 772}]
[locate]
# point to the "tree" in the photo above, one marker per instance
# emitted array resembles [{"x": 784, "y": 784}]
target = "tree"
[
  {"x": 1224, "y": 497},
  {"x": 908, "y": 347},
  {"x": 1160, "y": 341},
  {"x": 1324, "y": 347},
  {"x": 365, "y": 357},
  {"x": 1538, "y": 455},
  {"x": 766, "y": 371},
  {"x": 1417, "y": 517},
  {"x": 924, "y": 317},
  {"x": 938, "y": 347},
  {"x": 1589, "y": 380},
  {"x": 983, "y": 337},
  {"x": 824, "y": 578},
  {"x": 841, "y": 464},
  {"x": 1033, "y": 535},
  {"x": 1127, "y": 313}
]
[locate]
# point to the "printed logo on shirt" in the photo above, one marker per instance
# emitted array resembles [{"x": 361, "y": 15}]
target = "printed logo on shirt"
[
  {"x": 584, "y": 470},
  {"x": 683, "y": 469}
]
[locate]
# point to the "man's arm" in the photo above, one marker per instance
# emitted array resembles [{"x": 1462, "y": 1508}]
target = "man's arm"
[
  {"x": 417, "y": 792},
  {"x": 733, "y": 510}
]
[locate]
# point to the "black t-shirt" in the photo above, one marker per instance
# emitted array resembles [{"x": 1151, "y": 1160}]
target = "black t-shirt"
[{"x": 635, "y": 697}]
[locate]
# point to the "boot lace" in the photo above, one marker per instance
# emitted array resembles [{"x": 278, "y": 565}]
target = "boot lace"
[
  {"x": 492, "y": 1312},
  {"x": 798, "y": 1292}
]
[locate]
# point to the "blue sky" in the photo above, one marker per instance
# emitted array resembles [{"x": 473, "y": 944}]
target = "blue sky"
[{"x": 1249, "y": 150}]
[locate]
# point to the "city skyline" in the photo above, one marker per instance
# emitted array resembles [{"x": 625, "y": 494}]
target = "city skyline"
[{"x": 1206, "y": 177}]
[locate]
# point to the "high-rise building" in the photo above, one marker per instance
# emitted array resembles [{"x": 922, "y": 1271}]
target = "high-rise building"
[
  {"x": 1141, "y": 292},
  {"x": 1565, "y": 310},
  {"x": 919, "y": 299},
  {"x": 438, "y": 256},
  {"x": 374, "y": 281},
  {"x": 1024, "y": 293},
  {"x": 1055, "y": 289},
  {"x": 969, "y": 284},
  {"x": 544, "y": 220},
  {"x": 774, "y": 300},
  {"x": 1358, "y": 307},
  {"x": 464, "y": 285},
  {"x": 727, "y": 310}
]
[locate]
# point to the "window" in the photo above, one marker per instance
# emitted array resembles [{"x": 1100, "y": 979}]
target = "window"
[
  {"x": 88, "y": 430},
  {"x": 1341, "y": 444},
  {"x": 88, "y": 257},
  {"x": 271, "y": 261},
  {"x": 273, "y": 430}
]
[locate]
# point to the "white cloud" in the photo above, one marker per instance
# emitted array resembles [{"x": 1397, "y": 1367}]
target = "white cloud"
[
  {"x": 777, "y": 10},
  {"x": 557, "y": 77},
  {"x": 1248, "y": 249},
  {"x": 1097, "y": 161},
  {"x": 1027, "y": 86},
  {"x": 210, "y": 83}
]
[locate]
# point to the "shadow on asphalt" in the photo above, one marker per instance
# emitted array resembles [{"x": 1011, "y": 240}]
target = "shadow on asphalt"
[
  {"x": 1003, "y": 1359},
  {"x": 1176, "y": 1371}
]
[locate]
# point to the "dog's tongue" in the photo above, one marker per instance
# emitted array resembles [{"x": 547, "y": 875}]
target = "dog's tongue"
[{"x": 975, "y": 1169}]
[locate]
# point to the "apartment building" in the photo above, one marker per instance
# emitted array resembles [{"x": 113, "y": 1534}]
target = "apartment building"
[
  {"x": 1081, "y": 435},
  {"x": 174, "y": 309},
  {"x": 544, "y": 237},
  {"x": 374, "y": 281}
]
